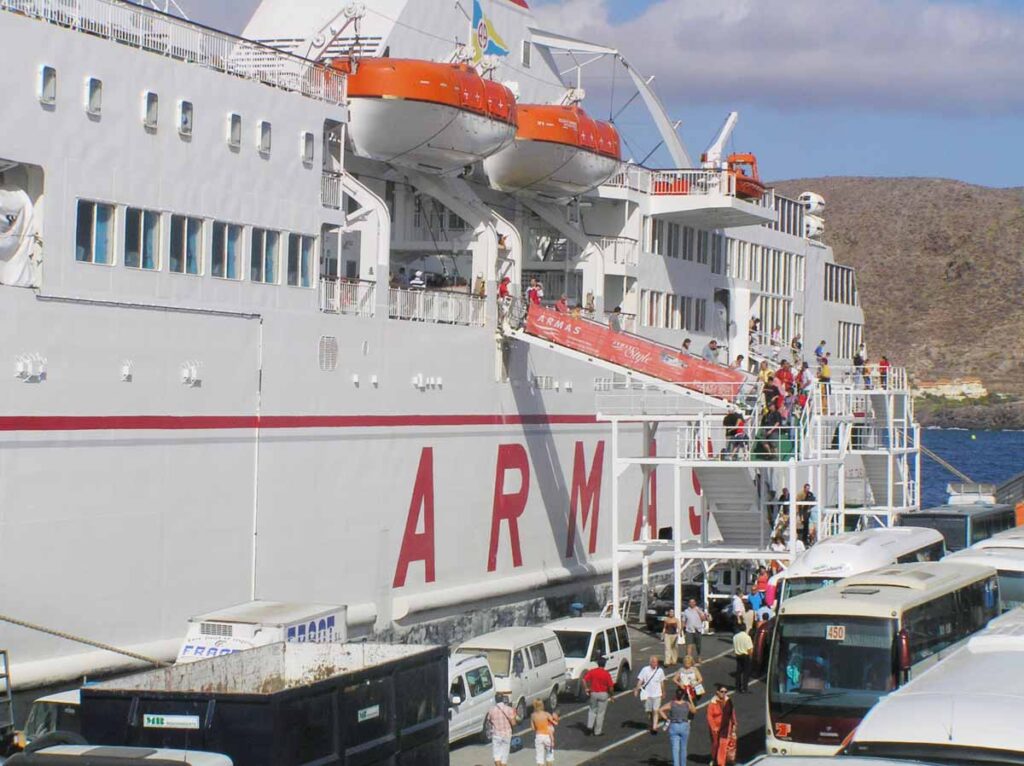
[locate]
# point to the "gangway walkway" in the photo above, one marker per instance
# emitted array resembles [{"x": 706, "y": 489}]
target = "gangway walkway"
[{"x": 638, "y": 359}]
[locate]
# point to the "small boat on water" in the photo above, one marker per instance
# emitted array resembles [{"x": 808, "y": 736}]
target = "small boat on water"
[
  {"x": 559, "y": 151},
  {"x": 422, "y": 114}
]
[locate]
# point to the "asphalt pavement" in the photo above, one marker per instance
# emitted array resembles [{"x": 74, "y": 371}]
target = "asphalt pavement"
[{"x": 626, "y": 737}]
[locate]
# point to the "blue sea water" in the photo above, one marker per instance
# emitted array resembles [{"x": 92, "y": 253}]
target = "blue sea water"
[{"x": 991, "y": 456}]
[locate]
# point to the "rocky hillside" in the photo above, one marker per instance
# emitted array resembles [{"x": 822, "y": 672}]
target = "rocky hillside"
[{"x": 940, "y": 268}]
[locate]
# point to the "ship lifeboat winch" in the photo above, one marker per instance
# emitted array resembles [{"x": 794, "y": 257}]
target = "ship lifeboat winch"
[
  {"x": 743, "y": 169},
  {"x": 559, "y": 151},
  {"x": 434, "y": 117}
]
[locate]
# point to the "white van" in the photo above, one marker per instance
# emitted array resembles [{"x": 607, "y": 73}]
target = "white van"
[
  {"x": 584, "y": 639},
  {"x": 527, "y": 664},
  {"x": 471, "y": 695}
]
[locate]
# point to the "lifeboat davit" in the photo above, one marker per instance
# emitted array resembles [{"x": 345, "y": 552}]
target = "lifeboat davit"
[
  {"x": 743, "y": 168},
  {"x": 434, "y": 117},
  {"x": 559, "y": 151}
]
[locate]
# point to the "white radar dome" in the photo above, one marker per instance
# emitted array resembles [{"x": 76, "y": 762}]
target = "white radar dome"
[{"x": 814, "y": 204}]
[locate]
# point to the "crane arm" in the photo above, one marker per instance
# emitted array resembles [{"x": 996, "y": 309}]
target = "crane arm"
[{"x": 712, "y": 157}]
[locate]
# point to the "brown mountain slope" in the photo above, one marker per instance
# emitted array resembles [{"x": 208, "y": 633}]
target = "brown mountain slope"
[{"x": 940, "y": 267}]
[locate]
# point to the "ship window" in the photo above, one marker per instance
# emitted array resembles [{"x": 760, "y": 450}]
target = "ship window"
[
  {"x": 300, "y": 259},
  {"x": 94, "y": 236},
  {"x": 150, "y": 109},
  {"x": 306, "y": 145},
  {"x": 186, "y": 245},
  {"x": 527, "y": 53},
  {"x": 93, "y": 96},
  {"x": 227, "y": 246},
  {"x": 263, "y": 137},
  {"x": 263, "y": 262},
  {"x": 185, "y": 116},
  {"x": 48, "y": 85},
  {"x": 141, "y": 239},
  {"x": 234, "y": 130}
]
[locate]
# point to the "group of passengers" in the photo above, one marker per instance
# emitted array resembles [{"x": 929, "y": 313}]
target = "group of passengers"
[{"x": 807, "y": 518}]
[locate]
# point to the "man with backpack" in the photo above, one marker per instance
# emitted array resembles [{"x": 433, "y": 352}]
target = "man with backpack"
[{"x": 500, "y": 720}]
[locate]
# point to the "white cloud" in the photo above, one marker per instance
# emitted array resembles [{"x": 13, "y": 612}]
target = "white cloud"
[{"x": 920, "y": 55}]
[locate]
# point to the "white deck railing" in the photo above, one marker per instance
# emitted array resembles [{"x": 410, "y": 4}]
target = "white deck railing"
[
  {"x": 347, "y": 297},
  {"x": 175, "y": 38},
  {"x": 673, "y": 182},
  {"x": 439, "y": 306}
]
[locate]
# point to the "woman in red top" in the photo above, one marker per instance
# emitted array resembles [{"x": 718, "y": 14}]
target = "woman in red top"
[{"x": 722, "y": 723}]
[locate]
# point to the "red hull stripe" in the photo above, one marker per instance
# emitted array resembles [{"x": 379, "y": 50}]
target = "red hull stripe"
[
  {"x": 521, "y": 3},
  {"x": 227, "y": 422}
]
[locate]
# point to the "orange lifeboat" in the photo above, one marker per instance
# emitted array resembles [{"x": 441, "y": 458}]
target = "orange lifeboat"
[
  {"x": 559, "y": 151},
  {"x": 422, "y": 114},
  {"x": 743, "y": 168}
]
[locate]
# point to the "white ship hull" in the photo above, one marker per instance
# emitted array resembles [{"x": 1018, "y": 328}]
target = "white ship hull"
[{"x": 172, "y": 442}]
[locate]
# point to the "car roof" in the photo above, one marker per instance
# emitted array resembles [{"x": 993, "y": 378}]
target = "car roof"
[
  {"x": 586, "y": 623},
  {"x": 500, "y": 639},
  {"x": 467, "y": 662}
]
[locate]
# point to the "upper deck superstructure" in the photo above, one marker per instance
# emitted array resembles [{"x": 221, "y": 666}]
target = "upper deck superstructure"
[{"x": 221, "y": 387}]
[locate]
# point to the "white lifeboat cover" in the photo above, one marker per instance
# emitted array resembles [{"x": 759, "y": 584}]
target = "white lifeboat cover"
[{"x": 17, "y": 239}]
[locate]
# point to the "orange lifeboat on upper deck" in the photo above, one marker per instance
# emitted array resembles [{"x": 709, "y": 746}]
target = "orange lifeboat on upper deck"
[
  {"x": 434, "y": 117},
  {"x": 559, "y": 151},
  {"x": 743, "y": 168}
]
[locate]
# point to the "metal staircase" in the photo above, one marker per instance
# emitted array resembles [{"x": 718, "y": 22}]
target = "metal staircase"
[{"x": 735, "y": 507}]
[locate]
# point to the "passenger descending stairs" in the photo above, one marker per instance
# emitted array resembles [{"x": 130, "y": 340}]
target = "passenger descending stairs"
[{"x": 733, "y": 502}]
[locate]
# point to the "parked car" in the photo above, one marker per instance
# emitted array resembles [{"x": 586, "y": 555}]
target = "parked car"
[
  {"x": 471, "y": 695},
  {"x": 585, "y": 639},
  {"x": 663, "y": 599},
  {"x": 527, "y": 664}
]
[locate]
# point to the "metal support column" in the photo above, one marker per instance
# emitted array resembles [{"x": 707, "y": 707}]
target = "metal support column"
[
  {"x": 792, "y": 509},
  {"x": 616, "y": 584},
  {"x": 677, "y": 543}
]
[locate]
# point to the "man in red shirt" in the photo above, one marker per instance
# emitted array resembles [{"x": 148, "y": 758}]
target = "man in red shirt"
[
  {"x": 598, "y": 683},
  {"x": 883, "y": 371},
  {"x": 785, "y": 375}
]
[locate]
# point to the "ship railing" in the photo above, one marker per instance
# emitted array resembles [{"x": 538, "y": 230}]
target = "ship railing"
[
  {"x": 621, "y": 250},
  {"x": 868, "y": 378},
  {"x": 438, "y": 306},
  {"x": 682, "y": 181},
  {"x": 347, "y": 296},
  {"x": 160, "y": 33},
  {"x": 330, "y": 190}
]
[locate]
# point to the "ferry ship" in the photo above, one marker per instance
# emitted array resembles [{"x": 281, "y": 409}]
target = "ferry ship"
[{"x": 224, "y": 379}]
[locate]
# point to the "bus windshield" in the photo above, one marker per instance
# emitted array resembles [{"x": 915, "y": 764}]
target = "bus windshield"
[
  {"x": 797, "y": 586},
  {"x": 840, "y": 663},
  {"x": 953, "y": 528},
  {"x": 1011, "y": 589}
]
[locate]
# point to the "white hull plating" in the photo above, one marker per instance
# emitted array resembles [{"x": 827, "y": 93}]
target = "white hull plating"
[
  {"x": 548, "y": 169},
  {"x": 424, "y": 135}
]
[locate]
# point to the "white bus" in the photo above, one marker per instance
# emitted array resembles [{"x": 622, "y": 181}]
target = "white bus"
[
  {"x": 965, "y": 710},
  {"x": 1008, "y": 538},
  {"x": 851, "y": 553},
  {"x": 837, "y": 650},
  {"x": 1009, "y": 565}
]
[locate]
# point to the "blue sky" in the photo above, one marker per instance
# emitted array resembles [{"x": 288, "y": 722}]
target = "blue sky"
[{"x": 823, "y": 87}]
